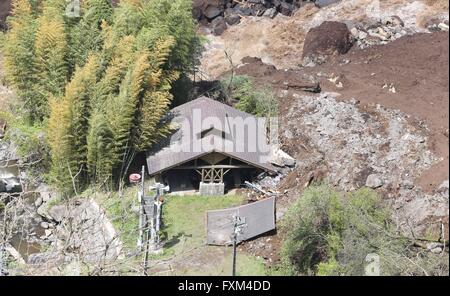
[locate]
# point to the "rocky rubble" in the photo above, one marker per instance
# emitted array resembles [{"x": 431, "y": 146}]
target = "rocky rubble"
[
  {"x": 77, "y": 229},
  {"x": 222, "y": 13},
  {"x": 380, "y": 31},
  {"x": 365, "y": 146},
  {"x": 50, "y": 233},
  {"x": 385, "y": 30}
]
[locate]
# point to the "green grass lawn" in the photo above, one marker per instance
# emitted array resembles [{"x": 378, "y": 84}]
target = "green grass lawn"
[
  {"x": 184, "y": 219},
  {"x": 183, "y": 232},
  {"x": 184, "y": 229}
]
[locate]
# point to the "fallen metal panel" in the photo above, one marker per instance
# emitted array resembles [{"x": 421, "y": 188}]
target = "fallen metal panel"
[{"x": 259, "y": 218}]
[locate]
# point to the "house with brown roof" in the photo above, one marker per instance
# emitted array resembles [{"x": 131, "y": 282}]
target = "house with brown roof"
[{"x": 213, "y": 147}]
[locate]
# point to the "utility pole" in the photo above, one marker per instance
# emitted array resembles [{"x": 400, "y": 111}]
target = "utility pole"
[
  {"x": 3, "y": 270},
  {"x": 152, "y": 211},
  {"x": 238, "y": 228},
  {"x": 141, "y": 193}
]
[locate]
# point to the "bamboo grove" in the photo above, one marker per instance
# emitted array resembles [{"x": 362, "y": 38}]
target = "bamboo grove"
[{"x": 99, "y": 83}]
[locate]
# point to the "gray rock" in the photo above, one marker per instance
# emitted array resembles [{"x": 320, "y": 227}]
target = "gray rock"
[
  {"x": 435, "y": 247},
  {"x": 2, "y": 186},
  {"x": 282, "y": 159},
  {"x": 443, "y": 26},
  {"x": 362, "y": 35},
  {"x": 243, "y": 10},
  {"x": 286, "y": 8},
  {"x": 271, "y": 12},
  {"x": 218, "y": 26},
  {"x": 44, "y": 225},
  {"x": 58, "y": 213},
  {"x": 233, "y": 19},
  {"x": 374, "y": 181},
  {"x": 323, "y": 3},
  {"x": 212, "y": 12},
  {"x": 12, "y": 185},
  {"x": 38, "y": 202}
]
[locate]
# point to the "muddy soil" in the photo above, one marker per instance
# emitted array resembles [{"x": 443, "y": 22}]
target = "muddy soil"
[{"x": 409, "y": 74}]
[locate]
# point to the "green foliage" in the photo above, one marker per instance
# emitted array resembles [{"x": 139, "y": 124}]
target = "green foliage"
[
  {"x": 251, "y": 99},
  {"x": 98, "y": 84},
  {"x": 331, "y": 233},
  {"x": 19, "y": 53},
  {"x": 67, "y": 125},
  {"x": 183, "y": 218},
  {"x": 86, "y": 35},
  {"x": 30, "y": 141}
]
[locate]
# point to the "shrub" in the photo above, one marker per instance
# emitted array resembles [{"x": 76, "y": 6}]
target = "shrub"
[
  {"x": 98, "y": 85},
  {"x": 330, "y": 233},
  {"x": 261, "y": 102}
]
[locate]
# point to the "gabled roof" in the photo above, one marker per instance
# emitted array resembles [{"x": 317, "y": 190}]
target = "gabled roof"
[{"x": 204, "y": 116}]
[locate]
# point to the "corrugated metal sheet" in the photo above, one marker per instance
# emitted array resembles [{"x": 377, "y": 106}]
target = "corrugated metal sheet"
[
  {"x": 180, "y": 148},
  {"x": 259, "y": 218}
]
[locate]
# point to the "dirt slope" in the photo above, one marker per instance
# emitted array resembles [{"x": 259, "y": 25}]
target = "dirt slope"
[
  {"x": 392, "y": 122},
  {"x": 279, "y": 41},
  {"x": 417, "y": 68}
]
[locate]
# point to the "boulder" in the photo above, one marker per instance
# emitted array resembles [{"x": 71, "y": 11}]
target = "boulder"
[
  {"x": 243, "y": 10},
  {"x": 374, "y": 181},
  {"x": 271, "y": 12},
  {"x": 323, "y": 3},
  {"x": 282, "y": 159},
  {"x": 38, "y": 202},
  {"x": 11, "y": 185},
  {"x": 44, "y": 225},
  {"x": 208, "y": 9},
  {"x": 58, "y": 212},
  {"x": 5, "y": 7},
  {"x": 233, "y": 19},
  {"x": 212, "y": 12},
  {"x": 328, "y": 39},
  {"x": 286, "y": 8},
  {"x": 218, "y": 26}
]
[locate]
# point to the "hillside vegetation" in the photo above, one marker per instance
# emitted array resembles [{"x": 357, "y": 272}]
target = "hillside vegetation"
[{"x": 97, "y": 85}]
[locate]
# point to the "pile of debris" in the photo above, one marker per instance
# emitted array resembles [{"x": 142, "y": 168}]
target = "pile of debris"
[
  {"x": 367, "y": 146},
  {"x": 222, "y": 13},
  {"x": 380, "y": 32}
]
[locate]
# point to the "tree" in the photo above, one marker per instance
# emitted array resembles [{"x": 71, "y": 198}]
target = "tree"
[
  {"x": 102, "y": 82},
  {"x": 327, "y": 232},
  {"x": 51, "y": 68},
  {"x": 68, "y": 124},
  {"x": 86, "y": 35}
]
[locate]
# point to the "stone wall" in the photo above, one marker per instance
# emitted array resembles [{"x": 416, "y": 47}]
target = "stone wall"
[{"x": 209, "y": 189}]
